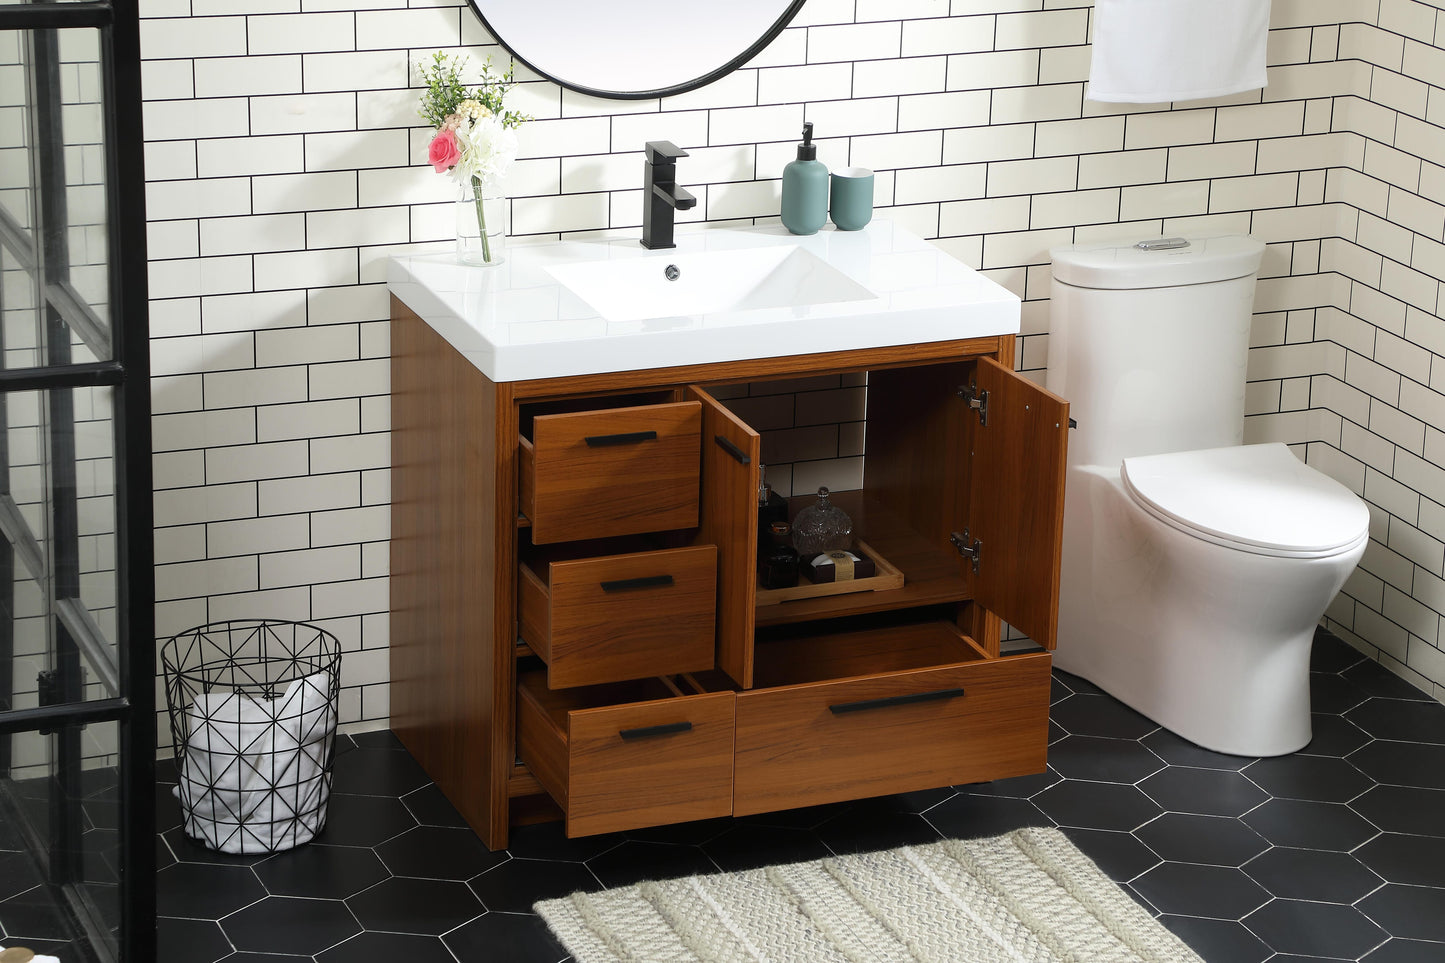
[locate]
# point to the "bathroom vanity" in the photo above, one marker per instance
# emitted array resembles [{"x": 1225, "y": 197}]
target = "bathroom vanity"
[{"x": 575, "y": 619}]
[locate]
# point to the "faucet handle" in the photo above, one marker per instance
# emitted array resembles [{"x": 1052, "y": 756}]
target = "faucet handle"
[{"x": 663, "y": 151}]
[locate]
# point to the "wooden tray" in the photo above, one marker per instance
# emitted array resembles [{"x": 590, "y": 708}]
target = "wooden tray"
[{"x": 886, "y": 577}]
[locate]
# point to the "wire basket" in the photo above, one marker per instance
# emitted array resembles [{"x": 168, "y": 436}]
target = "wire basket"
[{"x": 253, "y": 710}]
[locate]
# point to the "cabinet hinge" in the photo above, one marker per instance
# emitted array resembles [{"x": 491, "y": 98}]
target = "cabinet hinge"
[
  {"x": 968, "y": 549},
  {"x": 977, "y": 400}
]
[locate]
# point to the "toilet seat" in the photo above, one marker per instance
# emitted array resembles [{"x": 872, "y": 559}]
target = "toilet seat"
[{"x": 1253, "y": 498}]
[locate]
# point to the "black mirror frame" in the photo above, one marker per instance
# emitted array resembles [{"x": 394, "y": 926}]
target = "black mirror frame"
[{"x": 701, "y": 81}]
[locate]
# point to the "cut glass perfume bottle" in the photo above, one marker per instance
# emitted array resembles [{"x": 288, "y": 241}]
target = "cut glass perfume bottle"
[{"x": 822, "y": 527}]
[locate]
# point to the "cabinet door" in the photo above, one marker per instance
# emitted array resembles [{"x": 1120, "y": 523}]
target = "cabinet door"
[
  {"x": 728, "y": 518},
  {"x": 1016, "y": 501}
]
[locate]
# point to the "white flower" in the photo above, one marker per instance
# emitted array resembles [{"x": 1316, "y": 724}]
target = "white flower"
[{"x": 488, "y": 147}]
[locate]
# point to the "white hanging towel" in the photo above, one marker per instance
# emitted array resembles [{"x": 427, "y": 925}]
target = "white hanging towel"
[{"x": 1156, "y": 51}]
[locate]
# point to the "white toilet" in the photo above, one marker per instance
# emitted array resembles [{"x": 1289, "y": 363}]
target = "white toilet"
[{"x": 1195, "y": 568}]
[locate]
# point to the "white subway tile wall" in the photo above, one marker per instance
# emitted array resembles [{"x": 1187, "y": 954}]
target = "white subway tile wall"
[{"x": 286, "y": 163}]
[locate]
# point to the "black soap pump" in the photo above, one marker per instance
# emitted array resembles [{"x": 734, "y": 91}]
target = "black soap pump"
[{"x": 805, "y": 188}]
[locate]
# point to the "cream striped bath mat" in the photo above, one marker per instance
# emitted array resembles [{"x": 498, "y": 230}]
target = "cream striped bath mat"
[{"x": 1028, "y": 896}]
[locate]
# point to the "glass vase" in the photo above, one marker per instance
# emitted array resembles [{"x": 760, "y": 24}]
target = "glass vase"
[{"x": 481, "y": 224}]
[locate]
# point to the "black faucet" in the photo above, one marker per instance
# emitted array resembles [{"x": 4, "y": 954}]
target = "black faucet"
[{"x": 661, "y": 195}]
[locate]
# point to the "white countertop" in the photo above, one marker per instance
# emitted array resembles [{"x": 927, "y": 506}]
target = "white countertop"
[{"x": 516, "y": 322}]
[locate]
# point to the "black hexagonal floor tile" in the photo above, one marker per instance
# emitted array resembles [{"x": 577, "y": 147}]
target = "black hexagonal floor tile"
[
  {"x": 206, "y": 891},
  {"x": 1409, "y": 912},
  {"x": 1402, "y": 763},
  {"x": 284, "y": 924},
  {"x": 1017, "y": 787},
  {"x": 190, "y": 941},
  {"x": 1332, "y": 735},
  {"x": 1204, "y": 792},
  {"x": 685, "y": 834},
  {"x": 1175, "y": 750},
  {"x": 32, "y": 914},
  {"x": 1188, "y": 889},
  {"x": 431, "y": 808},
  {"x": 1376, "y": 680},
  {"x": 1068, "y": 682},
  {"x": 364, "y": 820},
  {"x": 876, "y": 824},
  {"x": 514, "y": 937},
  {"x": 377, "y": 739},
  {"x": 418, "y": 906},
  {"x": 516, "y": 884},
  {"x": 1096, "y": 805},
  {"x": 549, "y": 841},
  {"x": 438, "y": 852},
  {"x": 968, "y": 816},
  {"x": 1415, "y": 860},
  {"x": 326, "y": 872},
  {"x": 1100, "y": 715},
  {"x": 1318, "y": 929},
  {"x": 1405, "y": 951},
  {"x": 1223, "y": 940},
  {"x": 1312, "y": 874},
  {"x": 749, "y": 846},
  {"x": 1100, "y": 759},
  {"x": 1319, "y": 778},
  {"x": 1215, "y": 840},
  {"x": 16, "y": 874},
  {"x": 1120, "y": 855},
  {"x": 377, "y": 772},
  {"x": 385, "y": 948},
  {"x": 636, "y": 860},
  {"x": 1400, "y": 719},
  {"x": 1334, "y": 693},
  {"x": 804, "y": 817},
  {"x": 1330, "y": 653},
  {"x": 1400, "y": 809},
  {"x": 187, "y": 850},
  {"x": 1310, "y": 825}
]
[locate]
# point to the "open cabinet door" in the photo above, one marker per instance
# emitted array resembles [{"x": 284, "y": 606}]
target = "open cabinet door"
[
  {"x": 728, "y": 518},
  {"x": 1016, "y": 501}
]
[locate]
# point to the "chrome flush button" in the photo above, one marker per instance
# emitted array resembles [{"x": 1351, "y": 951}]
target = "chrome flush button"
[
  {"x": 673, "y": 272},
  {"x": 1162, "y": 244}
]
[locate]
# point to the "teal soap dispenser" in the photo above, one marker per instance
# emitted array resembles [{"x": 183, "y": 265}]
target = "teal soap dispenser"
[{"x": 805, "y": 188}]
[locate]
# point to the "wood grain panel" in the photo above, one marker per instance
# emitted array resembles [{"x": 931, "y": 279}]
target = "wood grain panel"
[
  {"x": 580, "y": 490},
  {"x": 452, "y": 571},
  {"x": 1017, "y": 501},
  {"x": 599, "y": 631},
  {"x": 728, "y": 518},
  {"x": 793, "y": 751}
]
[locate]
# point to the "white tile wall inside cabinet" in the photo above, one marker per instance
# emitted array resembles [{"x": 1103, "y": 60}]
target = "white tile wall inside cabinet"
[{"x": 286, "y": 162}]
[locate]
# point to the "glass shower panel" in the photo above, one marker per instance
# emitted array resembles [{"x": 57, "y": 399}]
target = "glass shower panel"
[
  {"x": 82, "y": 131},
  {"x": 16, "y": 176}
]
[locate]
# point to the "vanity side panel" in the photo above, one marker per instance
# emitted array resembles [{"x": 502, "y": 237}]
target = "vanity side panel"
[{"x": 452, "y": 571}]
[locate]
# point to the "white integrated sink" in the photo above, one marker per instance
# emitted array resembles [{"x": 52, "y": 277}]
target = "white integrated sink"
[
  {"x": 707, "y": 282},
  {"x": 562, "y": 308}
]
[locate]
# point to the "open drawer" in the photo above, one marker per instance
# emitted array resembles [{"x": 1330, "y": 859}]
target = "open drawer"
[
  {"x": 628, "y": 755},
  {"x": 881, "y": 711},
  {"x": 617, "y": 617},
  {"x": 610, "y": 471}
]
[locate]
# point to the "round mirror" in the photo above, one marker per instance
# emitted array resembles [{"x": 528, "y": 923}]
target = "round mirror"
[{"x": 634, "y": 49}]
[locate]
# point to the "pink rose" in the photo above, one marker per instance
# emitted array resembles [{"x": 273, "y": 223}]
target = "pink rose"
[{"x": 444, "y": 151}]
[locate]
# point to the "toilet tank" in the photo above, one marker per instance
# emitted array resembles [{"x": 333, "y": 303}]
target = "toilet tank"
[{"x": 1149, "y": 343}]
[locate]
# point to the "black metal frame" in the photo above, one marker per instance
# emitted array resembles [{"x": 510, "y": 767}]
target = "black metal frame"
[
  {"x": 125, "y": 346},
  {"x": 696, "y": 82}
]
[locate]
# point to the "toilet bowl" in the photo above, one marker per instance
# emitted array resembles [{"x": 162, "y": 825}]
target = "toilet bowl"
[{"x": 1195, "y": 568}]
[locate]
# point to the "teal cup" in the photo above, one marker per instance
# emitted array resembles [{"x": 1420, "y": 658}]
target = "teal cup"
[{"x": 850, "y": 198}]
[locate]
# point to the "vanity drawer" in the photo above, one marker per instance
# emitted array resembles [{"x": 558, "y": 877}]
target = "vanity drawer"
[
  {"x": 615, "y": 471},
  {"x": 899, "y": 730},
  {"x": 617, "y": 617},
  {"x": 630, "y": 755}
]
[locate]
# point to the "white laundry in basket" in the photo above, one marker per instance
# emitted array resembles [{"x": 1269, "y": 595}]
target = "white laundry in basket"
[{"x": 252, "y": 777}]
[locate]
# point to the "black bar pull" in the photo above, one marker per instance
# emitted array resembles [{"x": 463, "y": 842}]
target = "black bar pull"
[
  {"x": 622, "y": 438},
  {"x": 902, "y": 700},
  {"x": 631, "y": 584},
  {"x": 732, "y": 449},
  {"x": 646, "y": 732}
]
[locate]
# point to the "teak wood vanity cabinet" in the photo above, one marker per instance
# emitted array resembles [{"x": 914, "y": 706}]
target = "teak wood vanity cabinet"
[{"x": 573, "y": 589}]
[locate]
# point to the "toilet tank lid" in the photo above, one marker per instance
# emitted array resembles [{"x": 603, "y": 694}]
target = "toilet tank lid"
[
  {"x": 1157, "y": 262},
  {"x": 1258, "y": 496}
]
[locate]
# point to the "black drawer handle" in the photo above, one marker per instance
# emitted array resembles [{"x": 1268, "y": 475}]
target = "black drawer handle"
[
  {"x": 623, "y": 438},
  {"x": 732, "y": 449},
  {"x": 902, "y": 700},
  {"x": 632, "y": 584},
  {"x": 646, "y": 732}
]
